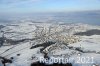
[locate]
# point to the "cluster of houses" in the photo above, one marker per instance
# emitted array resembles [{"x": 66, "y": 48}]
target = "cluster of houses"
[{"x": 66, "y": 39}]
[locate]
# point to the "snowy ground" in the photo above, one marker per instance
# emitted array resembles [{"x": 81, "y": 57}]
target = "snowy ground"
[{"x": 85, "y": 52}]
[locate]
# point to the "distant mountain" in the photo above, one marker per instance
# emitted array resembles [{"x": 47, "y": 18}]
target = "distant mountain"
[{"x": 90, "y": 17}]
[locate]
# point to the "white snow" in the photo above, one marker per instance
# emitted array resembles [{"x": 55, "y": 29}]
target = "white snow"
[
  {"x": 91, "y": 43},
  {"x": 26, "y": 30}
]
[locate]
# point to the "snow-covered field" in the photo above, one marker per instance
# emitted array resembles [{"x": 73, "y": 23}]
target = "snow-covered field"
[{"x": 20, "y": 38}]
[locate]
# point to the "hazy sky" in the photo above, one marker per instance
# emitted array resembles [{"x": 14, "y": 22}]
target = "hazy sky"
[{"x": 27, "y": 6}]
